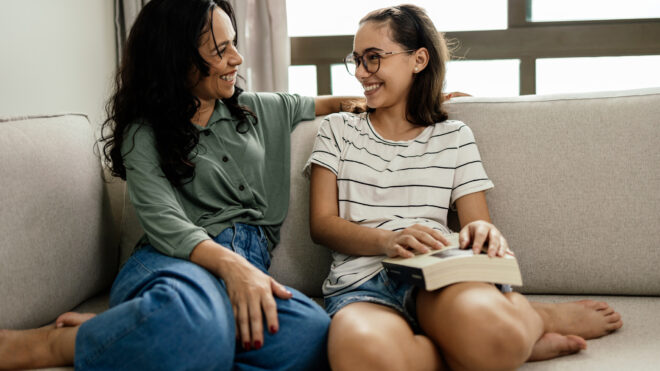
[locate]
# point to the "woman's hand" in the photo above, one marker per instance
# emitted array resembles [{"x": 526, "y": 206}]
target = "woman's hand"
[
  {"x": 416, "y": 238},
  {"x": 482, "y": 234},
  {"x": 251, "y": 294},
  {"x": 250, "y": 291}
]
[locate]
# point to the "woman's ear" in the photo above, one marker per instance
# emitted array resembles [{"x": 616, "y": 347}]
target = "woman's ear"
[{"x": 421, "y": 59}]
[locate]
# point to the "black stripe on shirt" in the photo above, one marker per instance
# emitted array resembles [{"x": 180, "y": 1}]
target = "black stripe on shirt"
[
  {"x": 473, "y": 180},
  {"x": 468, "y": 163},
  {"x": 393, "y": 186},
  {"x": 392, "y": 171},
  {"x": 363, "y": 204}
]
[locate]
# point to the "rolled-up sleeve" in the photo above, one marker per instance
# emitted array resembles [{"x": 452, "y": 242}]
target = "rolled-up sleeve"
[{"x": 299, "y": 108}]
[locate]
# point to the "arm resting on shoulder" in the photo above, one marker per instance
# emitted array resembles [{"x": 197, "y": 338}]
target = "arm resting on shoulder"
[{"x": 327, "y": 104}]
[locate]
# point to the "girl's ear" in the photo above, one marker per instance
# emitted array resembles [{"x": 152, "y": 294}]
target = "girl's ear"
[{"x": 421, "y": 59}]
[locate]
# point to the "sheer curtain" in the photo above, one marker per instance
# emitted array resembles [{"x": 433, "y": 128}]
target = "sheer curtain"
[{"x": 262, "y": 40}]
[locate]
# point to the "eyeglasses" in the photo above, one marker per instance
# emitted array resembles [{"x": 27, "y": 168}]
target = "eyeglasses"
[{"x": 370, "y": 60}]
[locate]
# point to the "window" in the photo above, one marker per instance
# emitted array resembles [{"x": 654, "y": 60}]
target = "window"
[
  {"x": 302, "y": 80},
  {"x": 584, "y": 10},
  {"x": 505, "y": 47},
  {"x": 571, "y": 75},
  {"x": 341, "y": 17},
  {"x": 492, "y": 78}
]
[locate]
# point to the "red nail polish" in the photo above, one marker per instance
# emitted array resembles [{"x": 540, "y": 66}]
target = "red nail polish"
[
  {"x": 273, "y": 329},
  {"x": 257, "y": 345},
  {"x": 246, "y": 345}
]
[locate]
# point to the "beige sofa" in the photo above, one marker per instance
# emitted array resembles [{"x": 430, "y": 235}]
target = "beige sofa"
[{"x": 576, "y": 193}]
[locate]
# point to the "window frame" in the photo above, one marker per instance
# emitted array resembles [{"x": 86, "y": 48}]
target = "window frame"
[{"x": 523, "y": 39}]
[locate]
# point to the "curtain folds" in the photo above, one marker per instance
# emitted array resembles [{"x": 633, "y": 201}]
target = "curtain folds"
[{"x": 262, "y": 40}]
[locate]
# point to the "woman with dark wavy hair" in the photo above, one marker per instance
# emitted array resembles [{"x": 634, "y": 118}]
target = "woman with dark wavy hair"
[{"x": 207, "y": 170}]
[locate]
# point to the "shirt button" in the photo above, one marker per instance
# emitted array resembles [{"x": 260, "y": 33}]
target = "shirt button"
[
  {"x": 241, "y": 187},
  {"x": 225, "y": 159}
]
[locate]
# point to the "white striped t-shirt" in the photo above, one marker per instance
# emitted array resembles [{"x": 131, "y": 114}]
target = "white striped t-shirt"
[{"x": 393, "y": 184}]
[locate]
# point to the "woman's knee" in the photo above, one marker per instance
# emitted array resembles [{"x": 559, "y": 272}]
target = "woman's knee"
[{"x": 203, "y": 316}]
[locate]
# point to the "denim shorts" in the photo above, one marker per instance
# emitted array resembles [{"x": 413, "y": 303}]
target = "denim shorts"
[{"x": 381, "y": 289}]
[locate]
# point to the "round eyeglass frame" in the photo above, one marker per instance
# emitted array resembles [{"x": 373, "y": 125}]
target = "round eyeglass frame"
[{"x": 355, "y": 60}]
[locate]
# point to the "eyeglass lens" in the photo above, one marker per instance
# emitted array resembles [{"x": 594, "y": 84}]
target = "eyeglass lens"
[{"x": 371, "y": 62}]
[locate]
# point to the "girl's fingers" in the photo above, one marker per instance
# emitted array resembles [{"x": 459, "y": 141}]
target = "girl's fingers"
[
  {"x": 433, "y": 238},
  {"x": 464, "y": 237},
  {"x": 493, "y": 243},
  {"x": 480, "y": 235},
  {"x": 402, "y": 252}
]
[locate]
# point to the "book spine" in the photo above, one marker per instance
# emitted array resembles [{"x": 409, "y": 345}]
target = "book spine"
[{"x": 409, "y": 275}]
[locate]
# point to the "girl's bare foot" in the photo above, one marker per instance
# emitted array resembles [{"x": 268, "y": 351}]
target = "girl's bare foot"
[
  {"x": 552, "y": 345},
  {"x": 588, "y": 319},
  {"x": 51, "y": 345},
  {"x": 36, "y": 348}
]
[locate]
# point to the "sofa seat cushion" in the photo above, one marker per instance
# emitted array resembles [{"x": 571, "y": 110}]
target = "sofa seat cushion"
[{"x": 633, "y": 347}]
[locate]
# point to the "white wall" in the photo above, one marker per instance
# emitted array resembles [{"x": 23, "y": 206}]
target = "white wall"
[{"x": 56, "y": 56}]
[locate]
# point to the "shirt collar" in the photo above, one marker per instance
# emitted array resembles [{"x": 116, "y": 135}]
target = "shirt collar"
[{"x": 220, "y": 113}]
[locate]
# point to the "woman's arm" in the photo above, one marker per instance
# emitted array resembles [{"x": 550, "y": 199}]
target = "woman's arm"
[
  {"x": 476, "y": 227},
  {"x": 328, "y": 229},
  {"x": 327, "y": 104}
]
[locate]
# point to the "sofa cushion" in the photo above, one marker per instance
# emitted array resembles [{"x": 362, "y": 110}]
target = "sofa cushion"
[{"x": 56, "y": 247}]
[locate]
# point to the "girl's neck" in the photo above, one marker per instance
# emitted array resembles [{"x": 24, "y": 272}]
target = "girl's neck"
[{"x": 391, "y": 124}]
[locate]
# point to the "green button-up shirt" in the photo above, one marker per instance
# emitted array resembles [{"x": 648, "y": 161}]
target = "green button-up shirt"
[{"x": 239, "y": 178}]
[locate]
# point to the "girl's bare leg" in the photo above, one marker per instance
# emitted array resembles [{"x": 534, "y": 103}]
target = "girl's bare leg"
[
  {"x": 368, "y": 336},
  {"x": 478, "y": 327}
]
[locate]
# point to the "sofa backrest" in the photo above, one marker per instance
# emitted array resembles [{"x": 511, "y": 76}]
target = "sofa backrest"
[
  {"x": 576, "y": 191},
  {"x": 576, "y": 179},
  {"x": 576, "y": 187},
  {"x": 56, "y": 228}
]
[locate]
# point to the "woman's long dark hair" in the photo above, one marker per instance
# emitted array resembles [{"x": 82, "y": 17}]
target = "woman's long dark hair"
[
  {"x": 153, "y": 85},
  {"x": 413, "y": 29}
]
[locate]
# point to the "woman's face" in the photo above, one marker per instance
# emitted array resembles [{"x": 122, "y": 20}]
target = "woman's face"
[
  {"x": 390, "y": 85},
  {"x": 223, "y": 66}
]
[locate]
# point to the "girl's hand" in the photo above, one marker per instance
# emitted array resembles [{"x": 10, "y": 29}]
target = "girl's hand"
[
  {"x": 251, "y": 294},
  {"x": 483, "y": 234},
  {"x": 416, "y": 238}
]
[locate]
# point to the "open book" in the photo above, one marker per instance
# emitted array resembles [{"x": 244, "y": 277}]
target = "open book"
[{"x": 450, "y": 264}]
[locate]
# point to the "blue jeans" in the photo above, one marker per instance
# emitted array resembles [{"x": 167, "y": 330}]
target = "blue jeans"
[{"x": 170, "y": 314}]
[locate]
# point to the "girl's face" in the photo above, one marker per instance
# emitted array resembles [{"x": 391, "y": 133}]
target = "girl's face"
[
  {"x": 223, "y": 66},
  {"x": 390, "y": 84}
]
